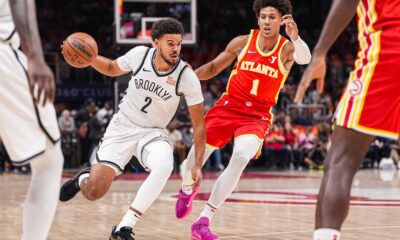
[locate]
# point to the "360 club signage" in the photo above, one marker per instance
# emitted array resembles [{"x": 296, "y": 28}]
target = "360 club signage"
[{"x": 81, "y": 92}]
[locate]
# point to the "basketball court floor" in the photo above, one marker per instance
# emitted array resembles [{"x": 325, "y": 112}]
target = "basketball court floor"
[{"x": 265, "y": 205}]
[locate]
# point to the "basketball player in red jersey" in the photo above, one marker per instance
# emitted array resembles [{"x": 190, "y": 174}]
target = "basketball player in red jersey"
[
  {"x": 264, "y": 59},
  {"x": 370, "y": 104}
]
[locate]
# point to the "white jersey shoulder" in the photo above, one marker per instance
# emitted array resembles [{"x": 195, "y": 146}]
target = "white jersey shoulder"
[
  {"x": 152, "y": 97},
  {"x": 7, "y": 27}
]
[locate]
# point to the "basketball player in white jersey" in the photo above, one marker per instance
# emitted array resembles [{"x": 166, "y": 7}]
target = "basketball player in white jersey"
[
  {"x": 28, "y": 124},
  {"x": 159, "y": 78}
]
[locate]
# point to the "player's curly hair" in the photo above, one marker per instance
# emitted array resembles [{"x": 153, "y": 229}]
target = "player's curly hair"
[
  {"x": 166, "y": 26},
  {"x": 283, "y": 6}
]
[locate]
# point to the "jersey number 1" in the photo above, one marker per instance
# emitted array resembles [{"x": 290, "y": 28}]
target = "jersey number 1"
[
  {"x": 148, "y": 101},
  {"x": 254, "y": 89}
]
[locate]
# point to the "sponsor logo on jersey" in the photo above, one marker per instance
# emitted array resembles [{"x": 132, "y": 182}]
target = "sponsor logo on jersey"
[
  {"x": 273, "y": 59},
  {"x": 259, "y": 68},
  {"x": 171, "y": 80},
  {"x": 153, "y": 87}
]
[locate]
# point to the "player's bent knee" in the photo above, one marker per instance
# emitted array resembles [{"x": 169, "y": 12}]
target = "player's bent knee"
[{"x": 95, "y": 192}]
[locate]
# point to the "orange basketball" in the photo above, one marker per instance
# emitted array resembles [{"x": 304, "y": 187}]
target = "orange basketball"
[{"x": 79, "y": 49}]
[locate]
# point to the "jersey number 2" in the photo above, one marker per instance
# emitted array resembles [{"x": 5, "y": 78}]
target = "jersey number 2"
[
  {"x": 148, "y": 101},
  {"x": 254, "y": 89}
]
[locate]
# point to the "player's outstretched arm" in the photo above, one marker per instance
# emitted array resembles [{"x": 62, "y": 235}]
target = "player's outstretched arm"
[
  {"x": 341, "y": 13},
  {"x": 107, "y": 66},
  {"x": 199, "y": 139},
  {"x": 223, "y": 60},
  {"x": 40, "y": 76}
]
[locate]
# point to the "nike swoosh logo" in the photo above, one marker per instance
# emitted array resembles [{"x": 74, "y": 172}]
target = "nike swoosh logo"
[
  {"x": 251, "y": 52},
  {"x": 146, "y": 70},
  {"x": 188, "y": 205}
]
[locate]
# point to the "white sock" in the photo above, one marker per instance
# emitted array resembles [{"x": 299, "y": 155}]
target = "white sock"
[
  {"x": 42, "y": 197},
  {"x": 187, "y": 189},
  {"x": 208, "y": 212},
  {"x": 129, "y": 220},
  {"x": 81, "y": 177},
  {"x": 326, "y": 234}
]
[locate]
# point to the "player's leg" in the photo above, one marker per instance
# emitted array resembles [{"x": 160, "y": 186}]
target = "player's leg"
[
  {"x": 245, "y": 148},
  {"x": 184, "y": 203},
  {"x": 115, "y": 151},
  {"x": 158, "y": 157},
  {"x": 94, "y": 182},
  {"x": 187, "y": 165},
  {"x": 342, "y": 162},
  {"x": 26, "y": 132},
  {"x": 42, "y": 198},
  {"x": 219, "y": 131}
]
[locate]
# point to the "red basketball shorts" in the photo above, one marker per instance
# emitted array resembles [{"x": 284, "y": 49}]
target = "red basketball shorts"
[
  {"x": 233, "y": 118},
  {"x": 370, "y": 103}
]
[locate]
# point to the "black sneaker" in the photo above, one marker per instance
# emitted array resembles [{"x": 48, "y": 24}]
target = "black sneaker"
[
  {"x": 71, "y": 187},
  {"x": 125, "y": 233}
]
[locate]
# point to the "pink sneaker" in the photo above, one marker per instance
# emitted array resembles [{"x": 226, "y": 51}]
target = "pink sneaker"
[
  {"x": 201, "y": 230},
  {"x": 184, "y": 204}
]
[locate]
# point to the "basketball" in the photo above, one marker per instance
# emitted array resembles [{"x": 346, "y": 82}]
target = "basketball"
[{"x": 79, "y": 49}]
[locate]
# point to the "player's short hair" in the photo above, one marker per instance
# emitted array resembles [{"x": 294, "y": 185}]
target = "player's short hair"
[
  {"x": 166, "y": 26},
  {"x": 283, "y": 6}
]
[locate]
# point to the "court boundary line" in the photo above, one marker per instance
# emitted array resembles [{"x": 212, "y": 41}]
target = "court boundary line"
[{"x": 303, "y": 231}]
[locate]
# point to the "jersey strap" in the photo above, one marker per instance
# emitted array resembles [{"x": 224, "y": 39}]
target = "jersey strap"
[
  {"x": 178, "y": 81},
  {"x": 141, "y": 64}
]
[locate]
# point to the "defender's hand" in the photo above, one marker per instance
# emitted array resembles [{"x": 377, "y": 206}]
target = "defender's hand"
[{"x": 315, "y": 71}]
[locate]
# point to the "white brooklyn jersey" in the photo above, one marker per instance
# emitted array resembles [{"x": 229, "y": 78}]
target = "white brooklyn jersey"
[
  {"x": 7, "y": 28},
  {"x": 152, "y": 97}
]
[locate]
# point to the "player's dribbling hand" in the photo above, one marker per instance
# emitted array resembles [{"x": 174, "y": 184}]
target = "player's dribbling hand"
[
  {"x": 290, "y": 27},
  {"x": 41, "y": 81},
  {"x": 197, "y": 176},
  {"x": 315, "y": 71}
]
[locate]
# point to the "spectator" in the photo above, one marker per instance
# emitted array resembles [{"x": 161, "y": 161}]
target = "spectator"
[
  {"x": 177, "y": 139},
  {"x": 66, "y": 122},
  {"x": 291, "y": 144},
  {"x": 97, "y": 126},
  {"x": 307, "y": 141},
  {"x": 395, "y": 152},
  {"x": 68, "y": 138},
  {"x": 82, "y": 118},
  {"x": 277, "y": 155}
]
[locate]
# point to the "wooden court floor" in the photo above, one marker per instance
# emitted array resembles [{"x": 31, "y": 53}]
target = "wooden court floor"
[{"x": 265, "y": 205}]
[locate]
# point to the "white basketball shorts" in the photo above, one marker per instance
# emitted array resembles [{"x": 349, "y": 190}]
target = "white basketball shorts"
[
  {"x": 123, "y": 139},
  {"x": 24, "y": 127}
]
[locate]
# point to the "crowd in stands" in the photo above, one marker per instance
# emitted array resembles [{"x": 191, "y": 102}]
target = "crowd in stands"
[{"x": 299, "y": 136}]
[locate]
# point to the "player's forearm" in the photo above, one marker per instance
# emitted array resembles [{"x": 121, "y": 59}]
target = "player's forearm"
[
  {"x": 106, "y": 66},
  {"x": 341, "y": 13},
  {"x": 302, "y": 54},
  {"x": 199, "y": 139},
  {"x": 206, "y": 71},
  {"x": 24, "y": 16}
]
